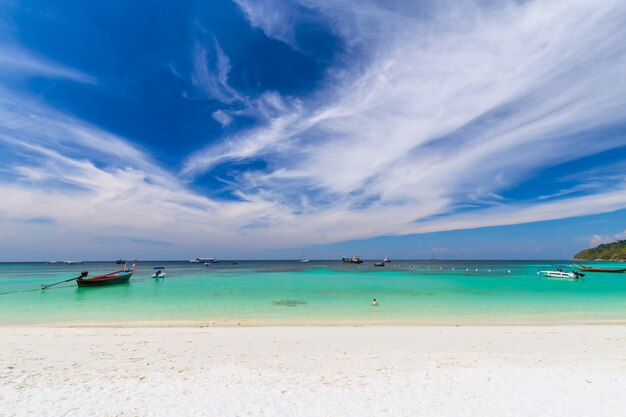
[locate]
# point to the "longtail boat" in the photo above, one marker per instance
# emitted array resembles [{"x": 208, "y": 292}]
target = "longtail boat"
[
  {"x": 594, "y": 269},
  {"x": 117, "y": 277}
]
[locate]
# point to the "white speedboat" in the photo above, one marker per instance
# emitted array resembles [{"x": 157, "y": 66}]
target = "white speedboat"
[
  {"x": 386, "y": 260},
  {"x": 561, "y": 274}
]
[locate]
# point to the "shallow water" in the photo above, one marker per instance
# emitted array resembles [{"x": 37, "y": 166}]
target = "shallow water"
[{"x": 289, "y": 292}]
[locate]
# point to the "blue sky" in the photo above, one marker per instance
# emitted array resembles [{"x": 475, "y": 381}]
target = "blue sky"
[{"x": 249, "y": 129}]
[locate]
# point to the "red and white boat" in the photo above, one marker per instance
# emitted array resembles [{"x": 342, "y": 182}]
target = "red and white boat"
[{"x": 118, "y": 277}]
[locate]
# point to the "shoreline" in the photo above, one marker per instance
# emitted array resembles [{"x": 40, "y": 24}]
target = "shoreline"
[{"x": 227, "y": 323}]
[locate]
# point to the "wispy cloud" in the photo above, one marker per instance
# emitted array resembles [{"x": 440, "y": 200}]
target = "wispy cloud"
[
  {"x": 273, "y": 17},
  {"x": 251, "y": 143},
  {"x": 438, "y": 113},
  {"x": 28, "y": 123},
  {"x": 89, "y": 183},
  {"x": 16, "y": 62},
  {"x": 210, "y": 74},
  {"x": 447, "y": 108}
]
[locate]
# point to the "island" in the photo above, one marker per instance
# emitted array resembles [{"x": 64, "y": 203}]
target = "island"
[{"x": 615, "y": 251}]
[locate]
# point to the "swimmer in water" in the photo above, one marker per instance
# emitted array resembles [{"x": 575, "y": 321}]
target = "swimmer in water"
[{"x": 374, "y": 302}]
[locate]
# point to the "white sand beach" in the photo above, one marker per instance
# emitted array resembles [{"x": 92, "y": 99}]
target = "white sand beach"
[{"x": 314, "y": 371}]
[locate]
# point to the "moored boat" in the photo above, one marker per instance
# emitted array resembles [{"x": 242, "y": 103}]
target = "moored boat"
[
  {"x": 595, "y": 269},
  {"x": 118, "y": 277},
  {"x": 302, "y": 260},
  {"x": 561, "y": 274},
  {"x": 379, "y": 264},
  {"x": 159, "y": 272},
  {"x": 353, "y": 260},
  {"x": 204, "y": 260}
]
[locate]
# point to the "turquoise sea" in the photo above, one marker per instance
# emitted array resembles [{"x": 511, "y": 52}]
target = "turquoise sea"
[{"x": 328, "y": 292}]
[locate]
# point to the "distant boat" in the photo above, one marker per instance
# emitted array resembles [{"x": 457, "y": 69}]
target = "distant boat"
[
  {"x": 379, "y": 264},
  {"x": 204, "y": 260},
  {"x": 120, "y": 261},
  {"x": 304, "y": 261},
  {"x": 561, "y": 274},
  {"x": 117, "y": 277},
  {"x": 71, "y": 262},
  {"x": 386, "y": 260},
  {"x": 353, "y": 260},
  {"x": 159, "y": 272},
  {"x": 594, "y": 269},
  {"x": 52, "y": 262}
]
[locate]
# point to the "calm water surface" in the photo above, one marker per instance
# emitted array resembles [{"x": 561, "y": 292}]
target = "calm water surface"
[{"x": 289, "y": 292}]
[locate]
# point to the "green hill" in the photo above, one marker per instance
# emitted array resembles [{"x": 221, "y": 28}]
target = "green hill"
[{"x": 606, "y": 251}]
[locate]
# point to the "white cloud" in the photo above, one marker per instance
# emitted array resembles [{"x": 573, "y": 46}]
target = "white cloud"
[
  {"x": 210, "y": 74},
  {"x": 222, "y": 117},
  {"x": 273, "y": 17},
  {"x": 269, "y": 107},
  {"x": 15, "y": 62},
  {"x": 599, "y": 239},
  {"x": 27, "y": 122},
  {"x": 437, "y": 110},
  {"x": 440, "y": 112}
]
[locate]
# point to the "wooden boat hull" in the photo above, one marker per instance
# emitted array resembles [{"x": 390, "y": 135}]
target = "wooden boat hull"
[
  {"x": 109, "y": 279},
  {"x": 592, "y": 269}
]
